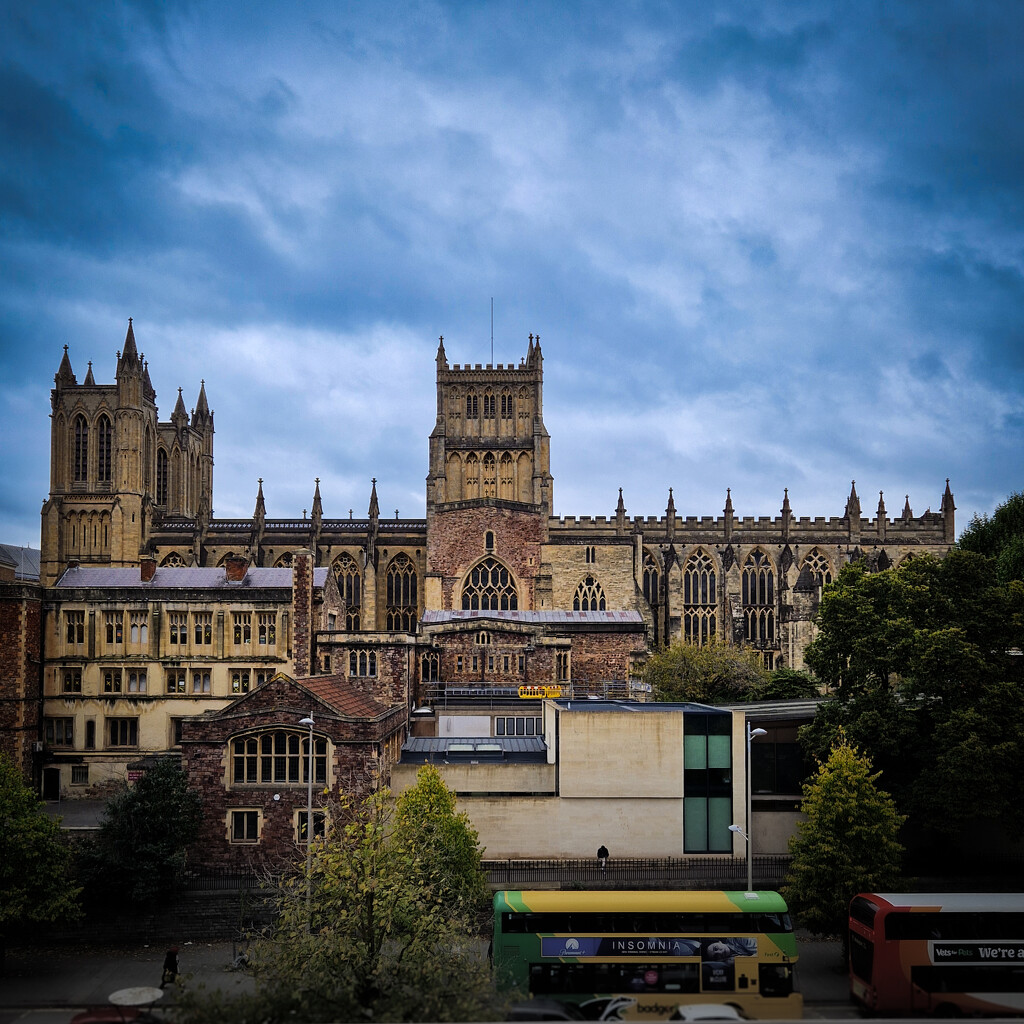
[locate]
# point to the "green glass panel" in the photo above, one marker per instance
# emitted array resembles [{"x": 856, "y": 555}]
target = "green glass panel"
[
  {"x": 719, "y": 751},
  {"x": 695, "y": 825},
  {"x": 719, "y": 820},
  {"x": 695, "y": 752}
]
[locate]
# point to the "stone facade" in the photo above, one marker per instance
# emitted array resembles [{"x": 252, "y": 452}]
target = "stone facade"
[
  {"x": 250, "y": 761},
  {"x": 21, "y": 607},
  {"x": 489, "y": 592}
]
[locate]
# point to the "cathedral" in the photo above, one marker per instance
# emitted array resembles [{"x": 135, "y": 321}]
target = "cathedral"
[{"x": 493, "y": 591}]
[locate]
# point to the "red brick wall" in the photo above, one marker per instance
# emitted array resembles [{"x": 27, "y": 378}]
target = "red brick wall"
[
  {"x": 456, "y": 542},
  {"x": 302, "y": 613},
  {"x": 20, "y": 657},
  {"x": 207, "y": 760}
]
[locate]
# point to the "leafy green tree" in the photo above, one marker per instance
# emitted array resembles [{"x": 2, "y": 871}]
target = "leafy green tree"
[
  {"x": 140, "y": 848},
  {"x": 443, "y": 841},
  {"x": 786, "y": 684},
  {"x": 708, "y": 674},
  {"x": 848, "y": 842},
  {"x": 1000, "y": 536},
  {"x": 34, "y": 862},
  {"x": 374, "y": 942}
]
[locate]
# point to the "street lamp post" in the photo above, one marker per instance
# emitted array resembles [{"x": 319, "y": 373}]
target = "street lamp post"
[
  {"x": 751, "y": 733},
  {"x": 309, "y": 818}
]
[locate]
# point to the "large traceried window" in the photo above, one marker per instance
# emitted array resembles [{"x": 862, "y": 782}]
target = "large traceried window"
[
  {"x": 819, "y": 566},
  {"x": 400, "y": 613},
  {"x": 490, "y": 587},
  {"x": 589, "y": 596},
  {"x": 278, "y": 757},
  {"x": 349, "y": 583},
  {"x": 81, "y": 463},
  {"x": 758, "y": 599},
  {"x": 105, "y": 435},
  {"x": 700, "y": 599}
]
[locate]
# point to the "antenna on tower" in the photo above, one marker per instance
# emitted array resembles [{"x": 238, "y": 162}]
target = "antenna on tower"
[{"x": 492, "y": 330}]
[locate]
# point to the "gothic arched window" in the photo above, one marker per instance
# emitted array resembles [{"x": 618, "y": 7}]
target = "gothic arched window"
[
  {"x": 652, "y": 579},
  {"x": 589, "y": 596},
  {"x": 278, "y": 757},
  {"x": 758, "y": 599},
  {"x": 819, "y": 566},
  {"x": 81, "y": 466},
  {"x": 488, "y": 404},
  {"x": 401, "y": 595},
  {"x": 105, "y": 433},
  {"x": 161, "y": 476},
  {"x": 700, "y": 599},
  {"x": 349, "y": 583},
  {"x": 490, "y": 489},
  {"x": 490, "y": 587}
]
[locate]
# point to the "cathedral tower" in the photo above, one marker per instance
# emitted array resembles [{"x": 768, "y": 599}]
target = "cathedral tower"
[
  {"x": 114, "y": 467},
  {"x": 489, "y": 488}
]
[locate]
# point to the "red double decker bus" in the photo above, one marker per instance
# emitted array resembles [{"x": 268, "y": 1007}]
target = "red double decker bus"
[{"x": 948, "y": 954}]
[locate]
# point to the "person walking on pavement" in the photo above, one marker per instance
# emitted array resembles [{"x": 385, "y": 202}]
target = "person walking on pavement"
[
  {"x": 170, "y": 975},
  {"x": 602, "y": 856}
]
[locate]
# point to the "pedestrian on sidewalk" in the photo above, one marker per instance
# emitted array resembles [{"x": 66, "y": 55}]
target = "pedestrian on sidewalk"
[
  {"x": 170, "y": 975},
  {"x": 602, "y": 856}
]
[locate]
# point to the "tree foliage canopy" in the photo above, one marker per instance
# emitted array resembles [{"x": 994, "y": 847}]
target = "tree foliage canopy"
[
  {"x": 146, "y": 828},
  {"x": 922, "y": 661},
  {"x": 34, "y": 862},
  {"x": 708, "y": 674},
  {"x": 443, "y": 842},
  {"x": 376, "y": 941},
  {"x": 1000, "y": 536},
  {"x": 848, "y": 842}
]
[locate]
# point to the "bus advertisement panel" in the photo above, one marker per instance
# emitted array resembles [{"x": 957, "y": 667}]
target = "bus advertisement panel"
[
  {"x": 949, "y": 954},
  {"x": 641, "y": 955}
]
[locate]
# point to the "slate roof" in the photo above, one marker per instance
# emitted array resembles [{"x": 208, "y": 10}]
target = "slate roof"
[
  {"x": 24, "y": 560},
  {"x": 555, "y": 617},
  {"x": 190, "y": 578}
]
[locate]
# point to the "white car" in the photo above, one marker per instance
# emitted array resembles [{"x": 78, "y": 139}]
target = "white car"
[{"x": 706, "y": 1011}]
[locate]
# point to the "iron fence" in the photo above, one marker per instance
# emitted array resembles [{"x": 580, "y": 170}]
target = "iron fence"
[{"x": 769, "y": 872}]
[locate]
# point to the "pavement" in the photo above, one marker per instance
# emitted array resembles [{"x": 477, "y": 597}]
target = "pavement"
[{"x": 49, "y": 985}]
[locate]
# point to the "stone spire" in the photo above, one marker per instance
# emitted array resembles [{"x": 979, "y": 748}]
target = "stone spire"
[
  {"x": 317, "y": 514},
  {"x": 670, "y": 517},
  {"x": 787, "y": 514},
  {"x": 852, "y": 514},
  {"x": 729, "y": 515},
  {"x": 880, "y": 518},
  {"x": 147, "y": 384},
  {"x": 907, "y": 513},
  {"x": 620, "y": 515},
  {"x": 65, "y": 376},
  {"x": 442, "y": 359},
  {"x": 201, "y": 414},
  {"x": 180, "y": 415},
  {"x": 128, "y": 359},
  {"x": 371, "y": 537},
  {"x": 259, "y": 521},
  {"x": 948, "y": 516},
  {"x": 90, "y": 380}
]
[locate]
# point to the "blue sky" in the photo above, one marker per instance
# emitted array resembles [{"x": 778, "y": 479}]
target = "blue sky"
[{"x": 764, "y": 245}]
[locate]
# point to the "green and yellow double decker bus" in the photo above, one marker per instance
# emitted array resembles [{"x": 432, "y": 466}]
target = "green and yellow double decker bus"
[{"x": 641, "y": 955}]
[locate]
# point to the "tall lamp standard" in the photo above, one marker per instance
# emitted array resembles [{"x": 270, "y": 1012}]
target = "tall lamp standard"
[
  {"x": 751, "y": 733},
  {"x": 309, "y": 818}
]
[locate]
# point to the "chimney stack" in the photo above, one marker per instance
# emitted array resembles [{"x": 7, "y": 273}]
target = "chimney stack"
[
  {"x": 148, "y": 568},
  {"x": 235, "y": 568}
]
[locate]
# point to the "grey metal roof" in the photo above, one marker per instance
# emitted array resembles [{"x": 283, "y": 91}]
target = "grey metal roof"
[
  {"x": 634, "y": 706},
  {"x": 553, "y": 616},
  {"x": 467, "y": 749},
  {"x": 190, "y": 578}
]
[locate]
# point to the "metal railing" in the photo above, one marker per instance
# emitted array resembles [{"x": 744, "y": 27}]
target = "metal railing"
[{"x": 639, "y": 872}]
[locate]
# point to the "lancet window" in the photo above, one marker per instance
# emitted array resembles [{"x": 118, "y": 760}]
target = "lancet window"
[
  {"x": 652, "y": 579},
  {"x": 105, "y": 437},
  {"x": 81, "y": 466}
]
